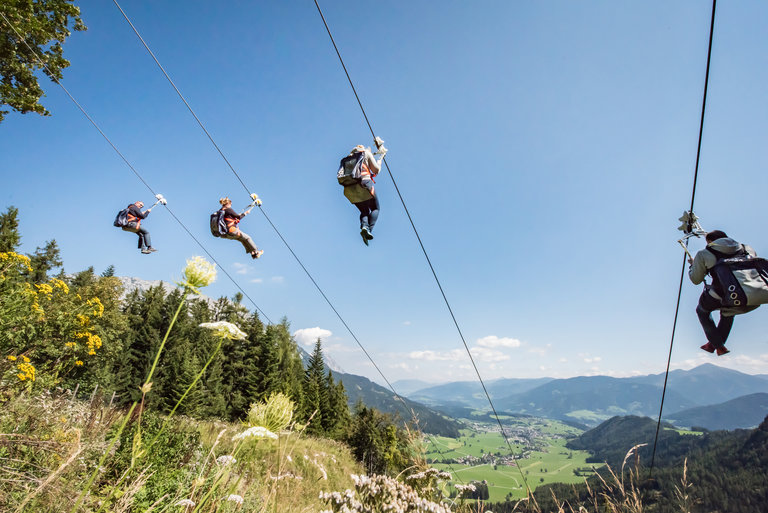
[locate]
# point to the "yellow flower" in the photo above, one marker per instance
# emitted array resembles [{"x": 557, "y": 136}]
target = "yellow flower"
[
  {"x": 79, "y": 363},
  {"x": 26, "y": 372},
  {"x": 98, "y": 308},
  {"x": 44, "y": 288},
  {"x": 82, "y": 319},
  {"x": 57, "y": 283},
  {"x": 26, "y": 360},
  {"x": 71, "y": 344},
  {"x": 12, "y": 358},
  {"x": 11, "y": 258}
]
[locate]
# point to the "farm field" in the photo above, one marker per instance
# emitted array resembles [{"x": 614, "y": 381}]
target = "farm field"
[{"x": 481, "y": 454}]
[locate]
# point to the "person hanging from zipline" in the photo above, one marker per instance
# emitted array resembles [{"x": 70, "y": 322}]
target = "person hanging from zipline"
[
  {"x": 129, "y": 219},
  {"x": 224, "y": 224},
  {"x": 356, "y": 173},
  {"x": 739, "y": 285}
]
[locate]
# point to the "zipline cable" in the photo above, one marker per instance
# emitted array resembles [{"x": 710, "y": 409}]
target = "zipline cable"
[
  {"x": 682, "y": 272},
  {"x": 130, "y": 166},
  {"x": 263, "y": 211},
  {"x": 423, "y": 249}
]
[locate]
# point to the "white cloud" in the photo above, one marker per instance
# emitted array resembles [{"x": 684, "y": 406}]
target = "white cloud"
[
  {"x": 240, "y": 268},
  {"x": 593, "y": 359},
  {"x": 492, "y": 341},
  {"x": 435, "y": 356},
  {"x": 277, "y": 279},
  {"x": 308, "y": 336},
  {"x": 485, "y": 354},
  {"x": 563, "y": 360},
  {"x": 257, "y": 280},
  {"x": 404, "y": 366},
  {"x": 406, "y": 323}
]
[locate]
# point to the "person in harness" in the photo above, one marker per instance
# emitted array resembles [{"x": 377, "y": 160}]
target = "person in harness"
[
  {"x": 736, "y": 286},
  {"x": 232, "y": 219},
  {"x": 356, "y": 173},
  {"x": 134, "y": 215}
]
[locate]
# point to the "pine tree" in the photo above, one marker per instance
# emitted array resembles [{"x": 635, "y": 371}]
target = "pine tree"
[
  {"x": 316, "y": 392},
  {"x": 43, "y": 260},
  {"x": 10, "y": 239}
]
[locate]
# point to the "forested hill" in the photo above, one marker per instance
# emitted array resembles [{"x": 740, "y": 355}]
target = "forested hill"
[
  {"x": 728, "y": 470},
  {"x": 429, "y": 421},
  {"x": 746, "y": 411}
]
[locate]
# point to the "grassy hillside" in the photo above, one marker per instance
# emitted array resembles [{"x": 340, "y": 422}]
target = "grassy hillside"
[{"x": 52, "y": 446}]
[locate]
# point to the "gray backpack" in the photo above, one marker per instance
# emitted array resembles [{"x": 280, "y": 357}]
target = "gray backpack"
[
  {"x": 740, "y": 279},
  {"x": 351, "y": 169}
]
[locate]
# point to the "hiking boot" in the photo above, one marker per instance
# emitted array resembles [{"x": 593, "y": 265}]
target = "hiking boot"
[
  {"x": 146, "y": 251},
  {"x": 257, "y": 254},
  {"x": 151, "y": 249},
  {"x": 364, "y": 234},
  {"x": 722, "y": 350},
  {"x": 708, "y": 347}
]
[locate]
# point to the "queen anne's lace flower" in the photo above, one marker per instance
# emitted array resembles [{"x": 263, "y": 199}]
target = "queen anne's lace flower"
[
  {"x": 198, "y": 273},
  {"x": 256, "y": 432},
  {"x": 186, "y": 503},
  {"x": 226, "y": 460},
  {"x": 225, "y": 329},
  {"x": 237, "y": 499}
]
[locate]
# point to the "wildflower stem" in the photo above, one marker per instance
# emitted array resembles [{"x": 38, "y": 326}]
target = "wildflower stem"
[
  {"x": 103, "y": 458},
  {"x": 189, "y": 389},
  {"x": 165, "y": 338}
]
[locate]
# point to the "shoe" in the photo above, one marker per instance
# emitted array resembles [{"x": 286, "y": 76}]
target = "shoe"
[
  {"x": 146, "y": 251},
  {"x": 708, "y": 347},
  {"x": 257, "y": 254},
  {"x": 151, "y": 250},
  {"x": 362, "y": 234},
  {"x": 722, "y": 350}
]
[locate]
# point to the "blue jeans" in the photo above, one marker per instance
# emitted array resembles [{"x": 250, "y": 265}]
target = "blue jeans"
[
  {"x": 144, "y": 240},
  {"x": 718, "y": 333},
  {"x": 369, "y": 209}
]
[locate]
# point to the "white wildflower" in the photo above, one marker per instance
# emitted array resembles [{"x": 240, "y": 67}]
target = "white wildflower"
[
  {"x": 225, "y": 460},
  {"x": 198, "y": 273},
  {"x": 463, "y": 488},
  {"x": 186, "y": 503},
  {"x": 237, "y": 499},
  {"x": 257, "y": 432},
  {"x": 225, "y": 329},
  {"x": 288, "y": 457}
]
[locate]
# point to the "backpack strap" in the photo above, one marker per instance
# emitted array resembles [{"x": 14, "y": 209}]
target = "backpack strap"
[{"x": 720, "y": 255}]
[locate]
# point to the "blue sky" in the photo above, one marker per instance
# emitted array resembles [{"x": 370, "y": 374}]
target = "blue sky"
[{"x": 544, "y": 149}]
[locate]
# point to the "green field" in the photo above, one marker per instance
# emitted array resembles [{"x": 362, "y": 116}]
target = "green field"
[{"x": 547, "y": 459}]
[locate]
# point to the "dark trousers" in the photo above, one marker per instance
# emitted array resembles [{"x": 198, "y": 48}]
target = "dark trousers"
[
  {"x": 144, "y": 240},
  {"x": 369, "y": 209},
  {"x": 718, "y": 333}
]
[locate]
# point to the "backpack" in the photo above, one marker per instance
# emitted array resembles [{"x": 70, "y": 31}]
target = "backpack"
[
  {"x": 218, "y": 224},
  {"x": 740, "y": 279},
  {"x": 350, "y": 169},
  {"x": 121, "y": 220}
]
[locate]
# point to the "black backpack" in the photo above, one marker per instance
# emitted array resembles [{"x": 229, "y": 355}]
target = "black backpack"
[
  {"x": 121, "y": 221},
  {"x": 740, "y": 279},
  {"x": 351, "y": 169},
  {"x": 218, "y": 224}
]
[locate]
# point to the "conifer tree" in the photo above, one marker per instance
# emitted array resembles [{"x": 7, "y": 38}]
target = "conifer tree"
[
  {"x": 10, "y": 239},
  {"x": 43, "y": 260},
  {"x": 145, "y": 330},
  {"x": 315, "y": 391}
]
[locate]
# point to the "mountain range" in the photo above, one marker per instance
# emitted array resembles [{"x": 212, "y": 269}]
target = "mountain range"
[{"x": 591, "y": 399}]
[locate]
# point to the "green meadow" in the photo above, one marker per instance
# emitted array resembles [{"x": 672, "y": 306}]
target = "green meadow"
[{"x": 546, "y": 460}]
